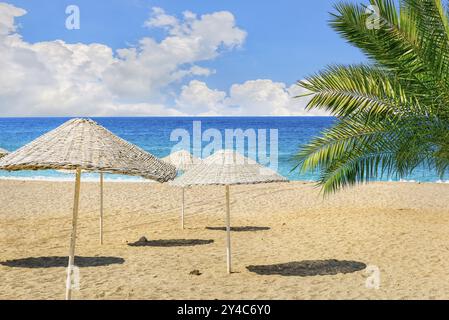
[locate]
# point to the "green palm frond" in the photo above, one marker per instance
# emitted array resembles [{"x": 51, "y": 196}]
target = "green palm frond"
[
  {"x": 432, "y": 35},
  {"x": 393, "y": 112},
  {"x": 396, "y": 43},
  {"x": 385, "y": 44},
  {"x": 346, "y": 91}
]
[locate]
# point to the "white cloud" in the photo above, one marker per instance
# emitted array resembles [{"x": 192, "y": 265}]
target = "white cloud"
[
  {"x": 260, "y": 97},
  {"x": 255, "y": 97},
  {"x": 197, "y": 98},
  {"x": 56, "y": 78},
  {"x": 140, "y": 72},
  {"x": 7, "y": 15},
  {"x": 160, "y": 19}
]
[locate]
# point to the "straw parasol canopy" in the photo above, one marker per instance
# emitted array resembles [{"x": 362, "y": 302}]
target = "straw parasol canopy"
[
  {"x": 182, "y": 160},
  {"x": 228, "y": 167},
  {"x": 3, "y": 152},
  {"x": 82, "y": 144}
]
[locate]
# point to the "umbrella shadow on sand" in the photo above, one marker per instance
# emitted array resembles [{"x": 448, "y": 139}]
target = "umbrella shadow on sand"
[
  {"x": 143, "y": 242},
  {"x": 308, "y": 268},
  {"x": 240, "y": 229},
  {"x": 61, "y": 262}
]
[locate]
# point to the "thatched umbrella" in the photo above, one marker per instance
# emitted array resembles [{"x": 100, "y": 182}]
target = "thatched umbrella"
[
  {"x": 82, "y": 144},
  {"x": 3, "y": 152},
  {"x": 183, "y": 161},
  {"x": 227, "y": 167}
]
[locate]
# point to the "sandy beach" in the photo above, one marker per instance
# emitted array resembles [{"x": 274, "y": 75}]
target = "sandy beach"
[{"x": 400, "y": 228}]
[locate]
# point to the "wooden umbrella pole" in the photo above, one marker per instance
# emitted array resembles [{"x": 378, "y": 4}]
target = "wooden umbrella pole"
[
  {"x": 182, "y": 209},
  {"x": 228, "y": 232},
  {"x": 101, "y": 207},
  {"x": 68, "y": 293}
]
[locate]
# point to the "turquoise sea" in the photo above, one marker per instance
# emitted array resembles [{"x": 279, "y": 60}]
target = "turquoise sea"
[{"x": 153, "y": 135}]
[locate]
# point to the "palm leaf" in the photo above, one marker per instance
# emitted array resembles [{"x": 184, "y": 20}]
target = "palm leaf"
[{"x": 393, "y": 112}]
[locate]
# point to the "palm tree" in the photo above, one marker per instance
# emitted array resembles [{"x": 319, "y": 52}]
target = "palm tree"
[{"x": 393, "y": 112}]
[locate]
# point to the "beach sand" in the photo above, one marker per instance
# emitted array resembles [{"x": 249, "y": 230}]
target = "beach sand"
[{"x": 400, "y": 228}]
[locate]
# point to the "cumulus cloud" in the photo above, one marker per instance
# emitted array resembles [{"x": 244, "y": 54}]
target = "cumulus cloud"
[
  {"x": 142, "y": 71},
  {"x": 56, "y": 78},
  {"x": 7, "y": 15},
  {"x": 254, "y": 97},
  {"x": 197, "y": 98}
]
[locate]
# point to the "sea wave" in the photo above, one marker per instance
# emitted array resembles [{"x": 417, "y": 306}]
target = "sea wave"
[
  {"x": 70, "y": 178},
  {"x": 131, "y": 179},
  {"x": 408, "y": 181}
]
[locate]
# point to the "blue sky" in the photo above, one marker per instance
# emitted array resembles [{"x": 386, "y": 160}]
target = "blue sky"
[{"x": 285, "y": 41}]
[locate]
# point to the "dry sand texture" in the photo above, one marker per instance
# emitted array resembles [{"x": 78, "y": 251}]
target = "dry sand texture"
[{"x": 402, "y": 228}]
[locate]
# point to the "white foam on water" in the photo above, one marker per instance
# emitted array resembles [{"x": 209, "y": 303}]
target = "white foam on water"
[
  {"x": 70, "y": 178},
  {"x": 408, "y": 181}
]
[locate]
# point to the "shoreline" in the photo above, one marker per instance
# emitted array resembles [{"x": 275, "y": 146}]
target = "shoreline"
[{"x": 70, "y": 178}]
